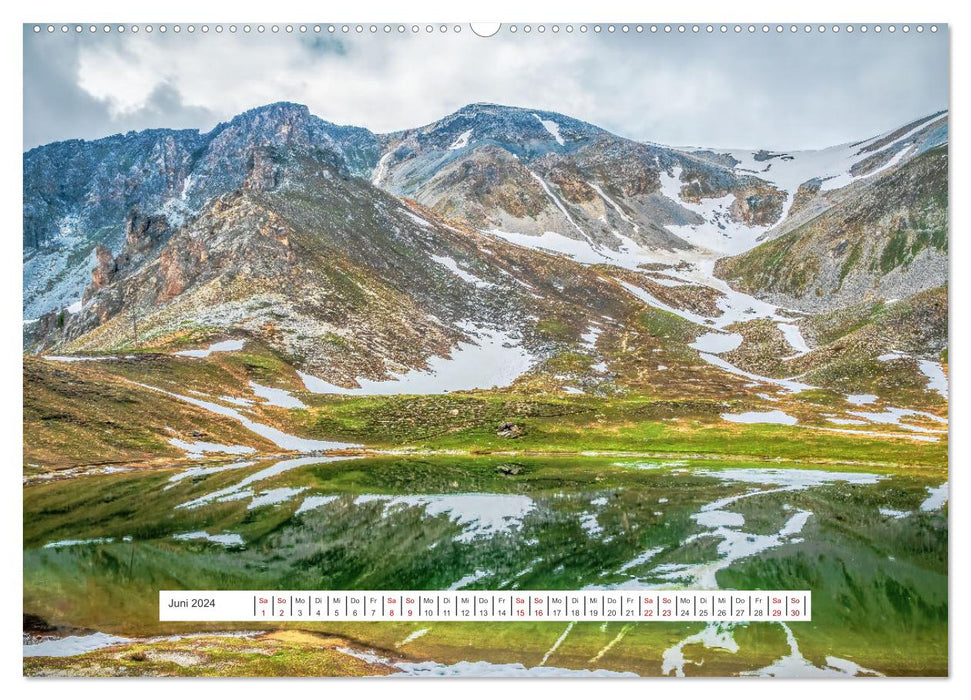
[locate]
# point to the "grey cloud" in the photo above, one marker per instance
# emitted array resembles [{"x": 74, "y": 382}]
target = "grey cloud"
[
  {"x": 56, "y": 108},
  {"x": 773, "y": 91},
  {"x": 164, "y": 108}
]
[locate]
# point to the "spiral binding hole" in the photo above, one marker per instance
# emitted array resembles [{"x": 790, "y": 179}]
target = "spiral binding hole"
[{"x": 512, "y": 28}]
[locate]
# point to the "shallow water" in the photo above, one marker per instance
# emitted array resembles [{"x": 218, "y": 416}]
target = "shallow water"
[{"x": 879, "y": 582}]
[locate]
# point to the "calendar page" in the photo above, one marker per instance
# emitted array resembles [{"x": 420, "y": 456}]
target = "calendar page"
[{"x": 495, "y": 350}]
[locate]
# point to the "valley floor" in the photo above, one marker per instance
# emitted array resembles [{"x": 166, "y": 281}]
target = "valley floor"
[{"x": 223, "y": 469}]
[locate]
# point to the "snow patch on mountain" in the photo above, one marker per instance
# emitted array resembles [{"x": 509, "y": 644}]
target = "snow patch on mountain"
[
  {"x": 454, "y": 268},
  {"x": 616, "y": 207},
  {"x": 417, "y": 219},
  {"x": 788, "y": 170},
  {"x": 718, "y": 232},
  {"x": 936, "y": 379},
  {"x": 717, "y": 343},
  {"x": 273, "y": 396},
  {"x": 381, "y": 169},
  {"x": 790, "y": 385},
  {"x": 222, "y": 346},
  {"x": 793, "y": 336},
  {"x": 462, "y": 141},
  {"x": 493, "y": 360},
  {"x": 552, "y": 242},
  {"x": 651, "y": 300},
  {"x": 274, "y": 435},
  {"x": 552, "y": 127}
]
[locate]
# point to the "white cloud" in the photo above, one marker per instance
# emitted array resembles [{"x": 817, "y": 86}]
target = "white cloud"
[{"x": 684, "y": 90}]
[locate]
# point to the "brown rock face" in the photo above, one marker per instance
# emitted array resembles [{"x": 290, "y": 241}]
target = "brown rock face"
[
  {"x": 102, "y": 274},
  {"x": 237, "y": 234},
  {"x": 491, "y": 180},
  {"x": 176, "y": 270},
  {"x": 143, "y": 234},
  {"x": 572, "y": 185}
]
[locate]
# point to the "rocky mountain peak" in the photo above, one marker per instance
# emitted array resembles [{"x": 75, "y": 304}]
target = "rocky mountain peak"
[
  {"x": 269, "y": 118},
  {"x": 279, "y": 124},
  {"x": 520, "y": 130}
]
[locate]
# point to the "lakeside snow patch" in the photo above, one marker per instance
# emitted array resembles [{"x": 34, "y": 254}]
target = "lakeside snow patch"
[
  {"x": 73, "y": 645},
  {"x": 226, "y": 539},
  {"x": 776, "y": 416},
  {"x": 936, "y": 498},
  {"x": 274, "y": 435},
  {"x": 196, "y": 449}
]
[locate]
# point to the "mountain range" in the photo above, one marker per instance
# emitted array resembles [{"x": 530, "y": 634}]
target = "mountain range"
[{"x": 497, "y": 247}]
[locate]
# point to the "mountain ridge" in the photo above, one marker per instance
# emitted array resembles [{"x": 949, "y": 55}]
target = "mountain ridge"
[{"x": 358, "y": 258}]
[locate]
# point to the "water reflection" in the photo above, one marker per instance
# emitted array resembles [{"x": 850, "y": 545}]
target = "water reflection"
[{"x": 398, "y": 524}]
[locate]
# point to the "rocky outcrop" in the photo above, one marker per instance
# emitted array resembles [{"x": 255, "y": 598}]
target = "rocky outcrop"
[
  {"x": 509, "y": 430},
  {"x": 144, "y": 233},
  {"x": 77, "y": 194},
  {"x": 804, "y": 195},
  {"x": 264, "y": 171},
  {"x": 144, "y": 236},
  {"x": 102, "y": 274},
  {"x": 758, "y": 205}
]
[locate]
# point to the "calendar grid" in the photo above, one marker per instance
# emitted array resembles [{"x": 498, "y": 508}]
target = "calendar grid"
[{"x": 485, "y": 606}]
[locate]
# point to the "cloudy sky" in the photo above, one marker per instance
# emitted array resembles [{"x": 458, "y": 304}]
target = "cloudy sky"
[{"x": 772, "y": 91}]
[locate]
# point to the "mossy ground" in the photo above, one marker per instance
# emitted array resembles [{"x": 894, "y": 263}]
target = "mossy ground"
[
  {"x": 279, "y": 654},
  {"x": 85, "y": 413}
]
